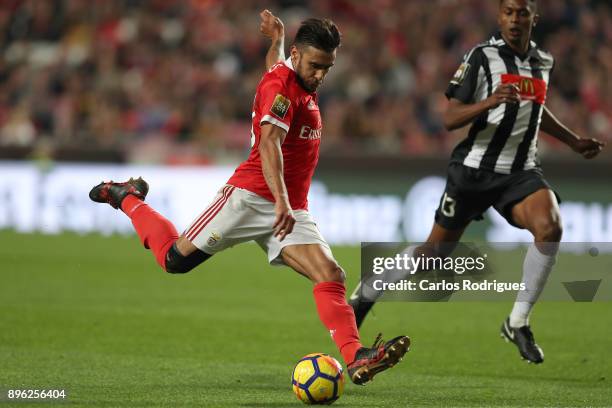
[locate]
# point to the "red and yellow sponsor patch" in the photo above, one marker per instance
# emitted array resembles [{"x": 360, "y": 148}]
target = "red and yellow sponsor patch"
[
  {"x": 280, "y": 106},
  {"x": 531, "y": 89}
]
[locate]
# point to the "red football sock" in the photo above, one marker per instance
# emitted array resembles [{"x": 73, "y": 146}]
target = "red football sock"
[
  {"x": 338, "y": 317},
  {"x": 155, "y": 231}
]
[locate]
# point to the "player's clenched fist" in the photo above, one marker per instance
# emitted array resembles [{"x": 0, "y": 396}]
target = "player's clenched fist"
[
  {"x": 271, "y": 26},
  {"x": 588, "y": 148},
  {"x": 504, "y": 93}
]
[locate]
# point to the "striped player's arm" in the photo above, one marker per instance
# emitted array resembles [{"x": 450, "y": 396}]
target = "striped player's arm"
[
  {"x": 459, "y": 114},
  {"x": 464, "y": 104},
  {"x": 588, "y": 148}
]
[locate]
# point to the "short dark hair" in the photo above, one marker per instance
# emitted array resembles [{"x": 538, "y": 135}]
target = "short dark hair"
[
  {"x": 534, "y": 2},
  {"x": 320, "y": 34}
]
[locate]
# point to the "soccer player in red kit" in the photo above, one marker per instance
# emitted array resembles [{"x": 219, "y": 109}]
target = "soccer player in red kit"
[{"x": 266, "y": 198}]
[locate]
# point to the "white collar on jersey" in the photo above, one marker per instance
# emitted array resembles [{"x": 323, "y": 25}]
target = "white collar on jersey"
[
  {"x": 289, "y": 64},
  {"x": 498, "y": 40}
]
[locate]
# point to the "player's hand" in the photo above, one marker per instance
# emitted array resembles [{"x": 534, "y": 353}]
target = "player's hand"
[
  {"x": 588, "y": 148},
  {"x": 271, "y": 26},
  {"x": 283, "y": 225},
  {"x": 504, "y": 93}
]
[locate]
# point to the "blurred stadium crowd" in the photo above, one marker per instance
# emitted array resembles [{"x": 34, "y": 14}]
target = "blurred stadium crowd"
[{"x": 173, "y": 80}]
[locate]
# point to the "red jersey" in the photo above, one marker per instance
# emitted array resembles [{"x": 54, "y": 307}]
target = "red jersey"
[{"x": 281, "y": 101}]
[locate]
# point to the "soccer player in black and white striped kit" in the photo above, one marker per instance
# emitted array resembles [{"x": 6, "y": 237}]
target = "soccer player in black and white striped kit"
[{"x": 500, "y": 89}]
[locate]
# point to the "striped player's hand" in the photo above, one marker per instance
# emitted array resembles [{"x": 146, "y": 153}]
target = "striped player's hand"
[
  {"x": 504, "y": 93},
  {"x": 588, "y": 148}
]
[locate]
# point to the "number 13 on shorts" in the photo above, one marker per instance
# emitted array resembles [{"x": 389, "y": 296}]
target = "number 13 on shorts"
[{"x": 448, "y": 205}]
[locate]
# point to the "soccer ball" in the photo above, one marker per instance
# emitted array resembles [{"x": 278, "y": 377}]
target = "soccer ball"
[{"x": 318, "y": 379}]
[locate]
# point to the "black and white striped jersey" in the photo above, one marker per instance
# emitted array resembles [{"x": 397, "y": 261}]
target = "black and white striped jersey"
[{"x": 504, "y": 139}]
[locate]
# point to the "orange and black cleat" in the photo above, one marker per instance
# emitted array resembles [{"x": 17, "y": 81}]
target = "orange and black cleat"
[
  {"x": 114, "y": 193},
  {"x": 371, "y": 361}
]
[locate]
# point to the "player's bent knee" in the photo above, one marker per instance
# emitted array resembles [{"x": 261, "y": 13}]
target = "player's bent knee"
[
  {"x": 179, "y": 263},
  {"x": 333, "y": 273},
  {"x": 548, "y": 231}
]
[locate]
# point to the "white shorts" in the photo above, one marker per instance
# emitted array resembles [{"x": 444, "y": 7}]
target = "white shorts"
[{"x": 237, "y": 215}]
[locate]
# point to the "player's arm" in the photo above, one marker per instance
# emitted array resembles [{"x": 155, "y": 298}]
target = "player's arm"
[
  {"x": 459, "y": 114},
  {"x": 272, "y": 27},
  {"x": 588, "y": 148},
  {"x": 463, "y": 108},
  {"x": 272, "y": 138}
]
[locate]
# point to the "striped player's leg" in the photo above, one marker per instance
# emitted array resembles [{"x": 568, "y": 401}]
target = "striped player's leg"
[
  {"x": 440, "y": 243},
  {"x": 539, "y": 213}
]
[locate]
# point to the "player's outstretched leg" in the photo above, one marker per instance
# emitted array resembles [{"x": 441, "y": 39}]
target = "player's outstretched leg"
[
  {"x": 155, "y": 231},
  {"x": 317, "y": 263},
  {"x": 114, "y": 193},
  {"x": 363, "y": 363}
]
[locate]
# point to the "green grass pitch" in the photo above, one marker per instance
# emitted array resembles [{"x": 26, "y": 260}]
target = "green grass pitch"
[{"x": 97, "y": 317}]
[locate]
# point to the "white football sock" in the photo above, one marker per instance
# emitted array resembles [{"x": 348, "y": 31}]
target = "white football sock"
[{"x": 536, "y": 268}]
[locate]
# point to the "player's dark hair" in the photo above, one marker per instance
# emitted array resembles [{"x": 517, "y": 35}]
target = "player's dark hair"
[
  {"x": 320, "y": 34},
  {"x": 534, "y": 2}
]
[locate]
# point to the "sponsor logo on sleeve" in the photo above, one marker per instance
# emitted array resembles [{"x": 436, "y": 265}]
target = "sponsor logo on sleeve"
[
  {"x": 461, "y": 73},
  {"x": 280, "y": 106}
]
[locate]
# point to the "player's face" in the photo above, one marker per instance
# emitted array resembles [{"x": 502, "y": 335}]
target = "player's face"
[
  {"x": 516, "y": 19},
  {"x": 311, "y": 65}
]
